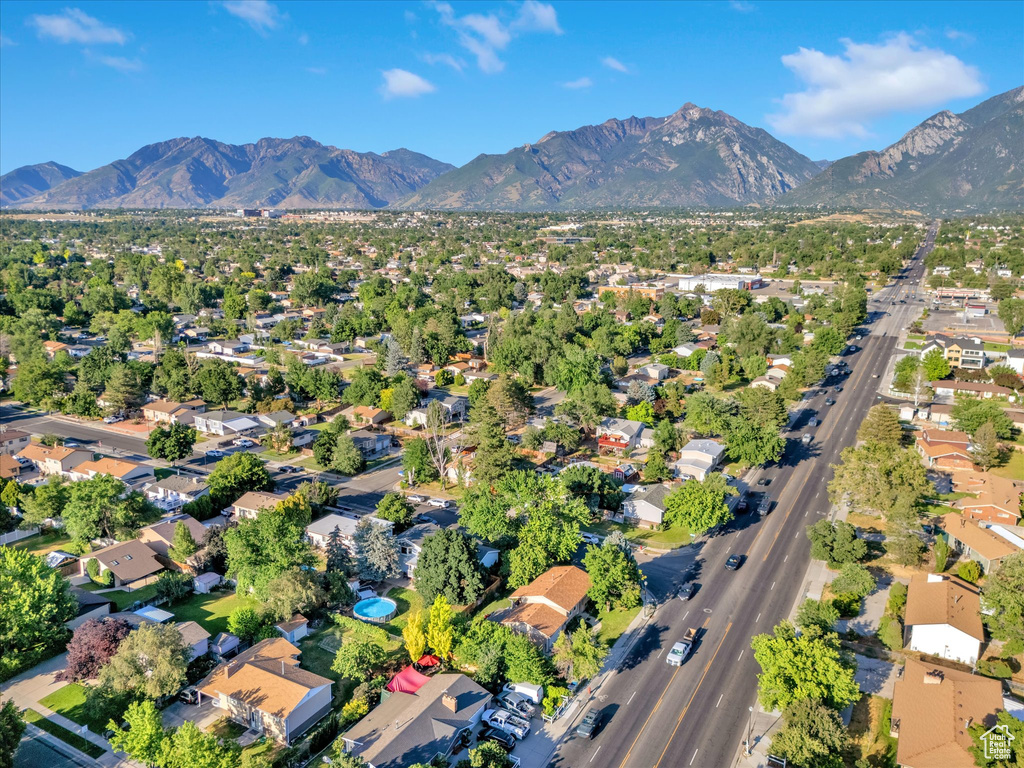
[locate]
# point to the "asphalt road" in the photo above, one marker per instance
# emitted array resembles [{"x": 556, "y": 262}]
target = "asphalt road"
[{"x": 697, "y": 714}]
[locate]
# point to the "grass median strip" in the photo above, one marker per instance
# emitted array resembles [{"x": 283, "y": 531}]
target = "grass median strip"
[{"x": 62, "y": 733}]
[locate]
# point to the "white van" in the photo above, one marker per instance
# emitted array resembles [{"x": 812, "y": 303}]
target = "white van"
[{"x": 534, "y": 693}]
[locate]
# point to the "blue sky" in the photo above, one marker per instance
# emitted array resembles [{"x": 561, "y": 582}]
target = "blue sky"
[{"x": 85, "y": 83}]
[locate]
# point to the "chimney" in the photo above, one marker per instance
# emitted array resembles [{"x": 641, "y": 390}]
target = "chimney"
[
  {"x": 450, "y": 702},
  {"x": 934, "y": 677}
]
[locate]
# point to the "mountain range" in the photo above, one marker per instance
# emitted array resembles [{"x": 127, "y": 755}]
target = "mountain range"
[{"x": 695, "y": 157}]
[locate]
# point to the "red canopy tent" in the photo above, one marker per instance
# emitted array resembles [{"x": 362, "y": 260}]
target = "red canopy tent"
[
  {"x": 427, "y": 660},
  {"x": 407, "y": 681}
]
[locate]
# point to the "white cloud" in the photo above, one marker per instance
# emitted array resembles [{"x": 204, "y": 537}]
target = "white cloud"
[
  {"x": 741, "y": 6},
  {"x": 444, "y": 58},
  {"x": 261, "y": 15},
  {"x": 486, "y": 35},
  {"x": 120, "y": 63},
  {"x": 317, "y": 70},
  {"x": 613, "y": 63},
  {"x": 303, "y": 39},
  {"x": 5, "y": 41},
  {"x": 583, "y": 82},
  {"x": 399, "y": 83},
  {"x": 73, "y": 25},
  {"x": 958, "y": 34},
  {"x": 844, "y": 93}
]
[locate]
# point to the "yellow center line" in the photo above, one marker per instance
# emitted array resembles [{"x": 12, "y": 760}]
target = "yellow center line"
[
  {"x": 700, "y": 682},
  {"x": 640, "y": 732}
]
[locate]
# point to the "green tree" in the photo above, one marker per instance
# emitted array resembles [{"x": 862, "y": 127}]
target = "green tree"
[
  {"x": 440, "y": 630},
  {"x": 935, "y": 365},
  {"x": 404, "y": 397},
  {"x": 709, "y": 415},
  {"x": 171, "y": 443},
  {"x": 237, "y": 474},
  {"x": 295, "y": 591},
  {"x": 151, "y": 662},
  {"x": 11, "y": 728},
  {"x": 218, "y": 382},
  {"x": 836, "y": 543},
  {"x": 1015, "y": 730},
  {"x": 700, "y": 506},
  {"x": 853, "y": 579},
  {"x": 576, "y": 369},
  {"x": 493, "y": 451},
  {"x": 245, "y": 622},
  {"x": 183, "y": 546},
  {"x": 357, "y": 659},
  {"x": 347, "y": 458},
  {"x": 173, "y": 586},
  {"x": 487, "y": 754},
  {"x": 1011, "y": 312},
  {"x": 642, "y": 412},
  {"x": 323, "y": 447},
  {"x": 417, "y": 463},
  {"x": 260, "y": 549},
  {"x": 971, "y": 415},
  {"x": 803, "y": 667},
  {"x": 969, "y": 571},
  {"x": 656, "y": 469},
  {"x": 395, "y": 508},
  {"x": 763, "y": 407},
  {"x": 46, "y": 501},
  {"x": 578, "y": 655},
  {"x": 587, "y": 407},
  {"x": 753, "y": 444},
  {"x": 817, "y": 616},
  {"x": 941, "y": 551},
  {"x": 813, "y": 734},
  {"x": 614, "y": 574},
  {"x": 188, "y": 747},
  {"x": 987, "y": 451},
  {"x": 143, "y": 739},
  {"x": 880, "y": 479},
  {"x": 881, "y": 426},
  {"x": 376, "y": 551},
  {"x": 448, "y": 566},
  {"x": 96, "y": 508},
  {"x": 415, "y": 636}
]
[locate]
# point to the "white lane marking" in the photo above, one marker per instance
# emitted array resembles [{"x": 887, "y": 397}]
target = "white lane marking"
[
  {"x": 659, "y": 653},
  {"x": 805, "y": 512},
  {"x": 773, "y": 585},
  {"x": 785, "y": 558},
  {"x": 719, "y": 700},
  {"x": 686, "y": 614},
  {"x": 694, "y": 756},
  {"x": 595, "y": 753},
  {"x": 740, "y": 656},
  {"x": 758, "y": 618},
  {"x": 630, "y": 698},
  {"x": 797, "y": 536}
]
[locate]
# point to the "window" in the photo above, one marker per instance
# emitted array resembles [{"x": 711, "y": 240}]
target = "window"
[
  {"x": 127, "y": 557},
  {"x": 113, "y": 562}
]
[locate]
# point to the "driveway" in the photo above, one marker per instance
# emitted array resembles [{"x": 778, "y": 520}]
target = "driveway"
[
  {"x": 870, "y": 617},
  {"x": 203, "y": 715},
  {"x": 875, "y": 676},
  {"x": 34, "y": 684}
]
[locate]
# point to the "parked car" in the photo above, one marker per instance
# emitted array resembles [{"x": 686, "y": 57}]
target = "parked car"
[
  {"x": 508, "y": 721},
  {"x": 830, "y": 401},
  {"x": 589, "y": 724},
  {"x": 288, "y": 469},
  {"x": 517, "y": 703},
  {"x": 837, "y": 388},
  {"x": 416, "y": 499},
  {"x": 72, "y": 444},
  {"x": 215, "y": 454},
  {"x": 590, "y": 538},
  {"x": 441, "y": 503},
  {"x": 243, "y": 442},
  {"x": 813, "y": 422},
  {"x": 113, "y": 419},
  {"x": 189, "y": 695},
  {"x": 502, "y": 738},
  {"x": 734, "y": 562},
  {"x": 534, "y": 693},
  {"x": 425, "y": 519}
]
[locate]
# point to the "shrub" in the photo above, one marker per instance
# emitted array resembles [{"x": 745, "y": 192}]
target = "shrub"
[
  {"x": 848, "y": 604},
  {"x": 969, "y": 571},
  {"x": 941, "y": 554},
  {"x": 324, "y": 735},
  {"x": 995, "y": 668},
  {"x": 890, "y": 632},
  {"x": 553, "y": 699},
  {"x": 105, "y": 578},
  {"x": 353, "y": 711},
  {"x": 173, "y": 586},
  {"x": 897, "y": 600}
]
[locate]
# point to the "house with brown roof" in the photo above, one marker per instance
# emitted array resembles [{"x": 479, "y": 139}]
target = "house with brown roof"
[
  {"x": 128, "y": 472},
  {"x": 252, "y": 503},
  {"x": 969, "y": 389},
  {"x": 160, "y": 536},
  {"x": 997, "y": 499},
  {"x": 365, "y": 415},
  {"x": 541, "y": 609},
  {"x": 976, "y": 540},
  {"x": 13, "y": 440},
  {"x": 10, "y": 467},
  {"x": 945, "y": 456},
  {"x": 55, "y": 459},
  {"x": 127, "y": 561},
  {"x": 946, "y": 437},
  {"x": 943, "y": 618},
  {"x": 932, "y": 711},
  {"x": 171, "y": 411},
  {"x": 266, "y": 690}
]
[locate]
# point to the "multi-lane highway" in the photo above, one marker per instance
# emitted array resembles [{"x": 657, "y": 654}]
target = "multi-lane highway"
[{"x": 697, "y": 714}]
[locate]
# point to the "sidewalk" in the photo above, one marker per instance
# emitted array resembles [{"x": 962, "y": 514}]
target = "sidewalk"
[{"x": 537, "y": 750}]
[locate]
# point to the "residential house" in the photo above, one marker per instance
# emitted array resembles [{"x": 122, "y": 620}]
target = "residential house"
[
  {"x": 225, "y": 423},
  {"x": 365, "y": 415},
  {"x": 294, "y": 629},
  {"x": 196, "y": 639},
  {"x": 952, "y": 455},
  {"x": 656, "y": 371},
  {"x": 455, "y": 406},
  {"x": 932, "y": 709},
  {"x": 371, "y": 444},
  {"x": 997, "y": 499},
  {"x": 12, "y": 441},
  {"x": 10, "y": 467},
  {"x": 698, "y": 459},
  {"x": 276, "y": 419},
  {"x": 646, "y": 505},
  {"x": 90, "y": 606},
  {"x": 410, "y": 544},
  {"x": 266, "y": 690},
  {"x": 55, "y": 459},
  {"x": 685, "y": 350},
  {"x": 959, "y": 351},
  {"x": 127, "y": 561},
  {"x": 160, "y": 536},
  {"x": 1015, "y": 359},
  {"x": 319, "y": 531},
  {"x": 766, "y": 382},
  {"x": 976, "y": 540},
  {"x": 251, "y": 503},
  {"x": 407, "y": 728},
  {"x": 543, "y": 608},
  {"x": 229, "y": 348},
  {"x": 224, "y": 645},
  {"x": 171, "y": 411},
  {"x": 619, "y": 435},
  {"x": 979, "y": 389},
  {"x": 128, "y": 472},
  {"x": 175, "y": 491},
  {"x": 943, "y": 618}
]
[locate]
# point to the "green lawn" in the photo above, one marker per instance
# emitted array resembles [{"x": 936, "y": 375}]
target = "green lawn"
[
  {"x": 124, "y": 599},
  {"x": 162, "y": 472},
  {"x": 991, "y": 346},
  {"x": 1014, "y": 468},
  {"x": 673, "y": 538},
  {"x": 44, "y": 543},
  {"x": 408, "y": 600},
  {"x": 911, "y": 345},
  {"x": 211, "y": 611},
  {"x": 70, "y": 702},
  {"x": 62, "y": 733},
  {"x": 614, "y": 623}
]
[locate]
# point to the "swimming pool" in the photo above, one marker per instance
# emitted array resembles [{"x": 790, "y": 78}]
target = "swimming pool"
[{"x": 375, "y": 610}]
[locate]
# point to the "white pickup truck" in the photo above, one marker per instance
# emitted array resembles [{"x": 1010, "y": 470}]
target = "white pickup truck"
[
  {"x": 681, "y": 650},
  {"x": 506, "y": 721}
]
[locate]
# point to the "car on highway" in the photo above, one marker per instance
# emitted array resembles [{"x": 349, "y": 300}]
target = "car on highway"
[
  {"x": 742, "y": 505},
  {"x": 681, "y": 650},
  {"x": 734, "y": 562},
  {"x": 415, "y": 498},
  {"x": 440, "y": 503},
  {"x": 874, "y": 375},
  {"x": 765, "y": 505},
  {"x": 830, "y": 401},
  {"x": 589, "y": 724},
  {"x": 503, "y": 739},
  {"x": 837, "y": 388},
  {"x": 215, "y": 454},
  {"x": 858, "y": 338},
  {"x": 806, "y": 438},
  {"x": 687, "y": 591},
  {"x": 813, "y": 422},
  {"x": 764, "y": 482},
  {"x": 243, "y": 442}
]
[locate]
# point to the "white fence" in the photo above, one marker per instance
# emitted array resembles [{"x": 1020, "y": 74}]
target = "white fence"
[{"x": 13, "y": 536}]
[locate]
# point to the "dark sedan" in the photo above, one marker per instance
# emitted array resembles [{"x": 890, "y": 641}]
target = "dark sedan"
[
  {"x": 503, "y": 739},
  {"x": 734, "y": 562},
  {"x": 589, "y": 725}
]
